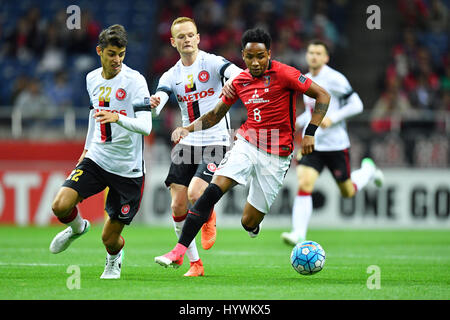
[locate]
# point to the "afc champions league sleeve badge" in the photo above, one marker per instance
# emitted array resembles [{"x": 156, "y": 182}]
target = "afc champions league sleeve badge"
[
  {"x": 121, "y": 94},
  {"x": 203, "y": 76}
]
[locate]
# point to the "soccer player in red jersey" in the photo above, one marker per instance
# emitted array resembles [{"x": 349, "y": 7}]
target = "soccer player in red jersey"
[{"x": 262, "y": 152}]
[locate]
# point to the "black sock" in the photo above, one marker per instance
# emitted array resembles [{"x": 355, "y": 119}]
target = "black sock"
[{"x": 199, "y": 213}]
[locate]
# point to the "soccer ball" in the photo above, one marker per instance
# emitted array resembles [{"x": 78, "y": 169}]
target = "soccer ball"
[{"x": 308, "y": 258}]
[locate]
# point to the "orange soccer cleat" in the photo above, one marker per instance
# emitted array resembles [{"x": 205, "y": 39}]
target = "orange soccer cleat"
[
  {"x": 209, "y": 232},
  {"x": 196, "y": 269}
]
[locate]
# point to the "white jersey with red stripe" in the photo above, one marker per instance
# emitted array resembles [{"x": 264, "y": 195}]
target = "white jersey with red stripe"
[
  {"x": 197, "y": 88},
  {"x": 344, "y": 103},
  {"x": 111, "y": 146}
]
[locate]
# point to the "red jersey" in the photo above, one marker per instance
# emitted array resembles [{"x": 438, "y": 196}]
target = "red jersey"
[{"x": 270, "y": 101}]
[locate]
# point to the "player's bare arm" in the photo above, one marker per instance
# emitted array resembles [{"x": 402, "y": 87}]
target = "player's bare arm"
[
  {"x": 320, "y": 109},
  {"x": 206, "y": 121}
]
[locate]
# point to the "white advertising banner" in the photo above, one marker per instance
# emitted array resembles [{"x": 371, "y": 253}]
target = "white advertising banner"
[{"x": 410, "y": 198}]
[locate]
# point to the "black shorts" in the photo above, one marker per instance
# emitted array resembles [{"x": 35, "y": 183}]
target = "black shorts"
[
  {"x": 337, "y": 161},
  {"x": 124, "y": 195},
  {"x": 194, "y": 161}
]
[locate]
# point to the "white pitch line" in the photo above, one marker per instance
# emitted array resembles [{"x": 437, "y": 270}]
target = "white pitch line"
[{"x": 25, "y": 264}]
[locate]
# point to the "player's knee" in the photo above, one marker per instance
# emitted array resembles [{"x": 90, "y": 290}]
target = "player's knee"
[
  {"x": 193, "y": 196},
  {"x": 178, "y": 208},
  {"x": 305, "y": 185},
  {"x": 60, "y": 207}
]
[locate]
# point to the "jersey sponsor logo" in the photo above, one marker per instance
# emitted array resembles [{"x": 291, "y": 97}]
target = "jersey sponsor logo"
[
  {"x": 196, "y": 96},
  {"x": 256, "y": 99},
  {"x": 203, "y": 76},
  {"x": 123, "y": 111},
  {"x": 121, "y": 94},
  {"x": 125, "y": 209}
]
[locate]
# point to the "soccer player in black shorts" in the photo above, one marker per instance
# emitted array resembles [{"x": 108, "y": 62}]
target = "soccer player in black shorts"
[
  {"x": 332, "y": 143},
  {"x": 120, "y": 115},
  {"x": 196, "y": 80}
]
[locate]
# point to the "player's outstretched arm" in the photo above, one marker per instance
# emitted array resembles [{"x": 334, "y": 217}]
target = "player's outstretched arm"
[{"x": 206, "y": 121}]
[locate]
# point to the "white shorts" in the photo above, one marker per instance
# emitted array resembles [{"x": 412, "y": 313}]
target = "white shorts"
[{"x": 265, "y": 172}]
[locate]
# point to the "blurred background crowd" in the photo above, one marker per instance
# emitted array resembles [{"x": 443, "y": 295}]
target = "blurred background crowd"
[{"x": 402, "y": 71}]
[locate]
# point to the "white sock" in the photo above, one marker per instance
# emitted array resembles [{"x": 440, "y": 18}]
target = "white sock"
[
  {"x": 113, "y": 256},
  {"x": 362, "y": 176},
  {"x": 191, "y": 252},
  {"x": 77, "y": 224},
  {"x": 301, "y": 213}
]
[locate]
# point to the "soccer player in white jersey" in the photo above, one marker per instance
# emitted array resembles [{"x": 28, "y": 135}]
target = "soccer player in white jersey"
[
  {"x": 331, "y": 145},
  {"x": 196, "y": 82},
  {"x": 120, "y": 115}
]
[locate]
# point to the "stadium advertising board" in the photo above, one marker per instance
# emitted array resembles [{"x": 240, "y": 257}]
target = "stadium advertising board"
[{"x": 410, "y": 198}]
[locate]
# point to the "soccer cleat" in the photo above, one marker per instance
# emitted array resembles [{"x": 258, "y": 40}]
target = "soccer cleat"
[
  {"x": 170, "y": 259},
  {"x": 368, "y": 162},
  {"x": 290, "y": 238},
  {"x": 63, "y": 239},
  {"x": 209, "y": 232},
  {"x": 113, "y": 266},
  {"x": 254, "y": 233},
  {"x": 378, "y": 178},
  {"x": 196, "y": 269}
]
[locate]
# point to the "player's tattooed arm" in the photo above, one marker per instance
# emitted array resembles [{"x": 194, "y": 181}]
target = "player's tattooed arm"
[
  {"x": 322, "y": 101},
  {"x": 321, "y": 108},
  {"x": 206, "y": 121},
  {"x": 210, "y": 118}
]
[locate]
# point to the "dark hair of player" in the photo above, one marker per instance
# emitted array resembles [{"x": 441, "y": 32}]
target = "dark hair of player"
[
  {"x": 114, "y": 35},
  {"x": 318, "y": 42},
  {"x": 257, "y": 35}
]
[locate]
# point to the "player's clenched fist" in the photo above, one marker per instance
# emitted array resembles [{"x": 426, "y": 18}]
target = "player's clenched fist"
[
  {"x": 154, "y": 101},
  {"x": 307, "y": 144},
  {"x": 179, "y": 133},
  {"x": 106, "y": 117}
]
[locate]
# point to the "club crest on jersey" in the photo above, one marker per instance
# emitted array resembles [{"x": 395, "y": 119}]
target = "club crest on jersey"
[
  {"x": 125, "y": 209},
  {"x": 121, "y": 94},
  {"x": 266, "y": 81},
  {"x": 203, "y": 76}
]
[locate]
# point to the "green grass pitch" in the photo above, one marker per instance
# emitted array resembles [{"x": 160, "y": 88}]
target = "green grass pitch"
[{"x": 412, "y": 264}]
